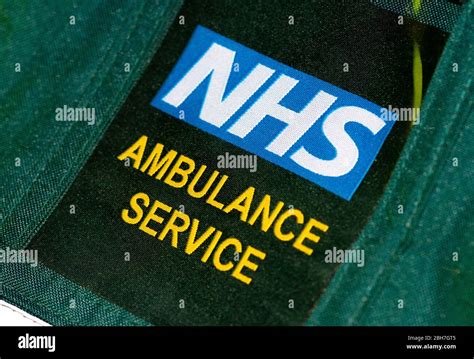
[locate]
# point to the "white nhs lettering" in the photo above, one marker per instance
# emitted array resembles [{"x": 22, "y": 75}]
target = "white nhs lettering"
[{"x": 216, "y": 110}]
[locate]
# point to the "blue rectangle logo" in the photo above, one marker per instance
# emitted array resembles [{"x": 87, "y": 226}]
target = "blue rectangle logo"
[{"x": 309, "y": 127}]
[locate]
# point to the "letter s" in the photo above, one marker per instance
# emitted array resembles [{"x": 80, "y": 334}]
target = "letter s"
[
  {"x": 136, "y": 208},
  {"x": 347, "y": 153}
]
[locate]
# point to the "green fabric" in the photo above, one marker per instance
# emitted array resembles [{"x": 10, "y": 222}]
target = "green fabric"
[
  {"x": 59, "y": 301},
  {"x": 442, "y": 14},
  {"x": 79, "y": 65},
  {"x": 409, "y": 257},
  {"x": 62, "y": 64}
]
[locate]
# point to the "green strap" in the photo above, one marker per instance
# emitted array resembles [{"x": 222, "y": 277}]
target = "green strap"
[{"x": 438, "y": 13}]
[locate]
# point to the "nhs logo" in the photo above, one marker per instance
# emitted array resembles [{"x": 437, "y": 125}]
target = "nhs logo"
[{"x": 305, "y": 125}]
